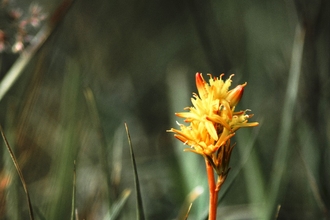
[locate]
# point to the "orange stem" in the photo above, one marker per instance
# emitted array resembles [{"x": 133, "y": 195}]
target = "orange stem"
[{"x": 213, "y": 200}]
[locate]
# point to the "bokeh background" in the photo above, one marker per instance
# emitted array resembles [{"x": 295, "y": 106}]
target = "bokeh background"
[{"x": 111, "y": 62}]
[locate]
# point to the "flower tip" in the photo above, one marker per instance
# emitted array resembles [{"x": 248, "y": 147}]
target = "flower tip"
[
  {"x": 199, "y": 78},
  {"x": 200, "y": 83},
  {"x": 235, "y": 95}
]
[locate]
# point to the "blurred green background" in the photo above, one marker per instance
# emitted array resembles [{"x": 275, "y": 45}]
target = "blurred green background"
[{"x": 110, "y": 62}]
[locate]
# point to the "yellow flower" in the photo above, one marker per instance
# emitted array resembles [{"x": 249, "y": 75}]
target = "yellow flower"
[{"x": 212, "y": 119}]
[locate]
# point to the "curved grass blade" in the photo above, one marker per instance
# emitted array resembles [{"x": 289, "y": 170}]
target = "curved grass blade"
[
  {"x": 140, "y": 212},
  {"x": 20, "y": 174}
]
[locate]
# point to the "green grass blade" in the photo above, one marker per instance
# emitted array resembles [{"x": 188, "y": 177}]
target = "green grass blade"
[
  {"x": 20, "y": 174},
  {"x": 140, "y": 212}
]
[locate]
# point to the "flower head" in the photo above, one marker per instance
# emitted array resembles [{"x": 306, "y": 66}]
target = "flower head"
[
  {"x": 212, "y": 119},
  {"x": 211, "y": 123}
]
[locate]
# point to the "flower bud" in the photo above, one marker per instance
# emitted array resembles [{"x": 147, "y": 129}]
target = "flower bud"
[
  {"x": 200, "y": 84},
  {"x": 235, "y": 95}
]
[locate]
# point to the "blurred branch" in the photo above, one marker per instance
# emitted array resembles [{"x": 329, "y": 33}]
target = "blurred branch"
[{"x": 16, "y": 70}]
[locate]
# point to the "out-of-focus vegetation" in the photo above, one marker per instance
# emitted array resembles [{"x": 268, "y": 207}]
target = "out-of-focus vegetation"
[{"x": 110, "y": 62}]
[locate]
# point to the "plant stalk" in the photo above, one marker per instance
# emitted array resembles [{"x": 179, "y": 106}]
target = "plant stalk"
[{"x": 213, "y": 200}]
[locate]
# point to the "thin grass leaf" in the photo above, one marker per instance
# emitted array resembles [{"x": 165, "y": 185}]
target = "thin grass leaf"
[
  {"x": 139, "y": 204},
  {"x": 20, "y": 174},
  {"x": 73, "y": 204},
  {"x": 118, "y": 206},
  {"x": 16, "y": 70}
]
